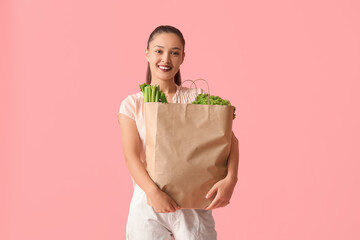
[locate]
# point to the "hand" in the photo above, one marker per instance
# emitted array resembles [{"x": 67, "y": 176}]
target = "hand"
[
  {"x": 223, "y": 189},
  {"x": 161, "y": 202}
]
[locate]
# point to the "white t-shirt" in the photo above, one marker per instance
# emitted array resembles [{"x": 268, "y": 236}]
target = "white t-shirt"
[{"x": 132, "y": 106}]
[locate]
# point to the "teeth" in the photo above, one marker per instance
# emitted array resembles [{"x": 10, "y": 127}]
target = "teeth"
[{"x": 164, "y": 67}]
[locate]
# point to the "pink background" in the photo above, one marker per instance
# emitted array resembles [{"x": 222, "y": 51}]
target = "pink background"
[{"x": 290, "y": 67}]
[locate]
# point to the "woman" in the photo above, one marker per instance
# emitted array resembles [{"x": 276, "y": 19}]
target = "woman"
[{"x": 153, "y": 214}]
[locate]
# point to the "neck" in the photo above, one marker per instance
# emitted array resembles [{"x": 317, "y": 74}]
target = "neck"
[{"x": 168, "y": 87}]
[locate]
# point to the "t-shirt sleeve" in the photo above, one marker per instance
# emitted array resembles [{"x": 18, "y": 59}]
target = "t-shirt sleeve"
[{"x": 127, "y": 107}]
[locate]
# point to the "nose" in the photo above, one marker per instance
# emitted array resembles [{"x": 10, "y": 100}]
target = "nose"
[{"x": 165, "y": 58}]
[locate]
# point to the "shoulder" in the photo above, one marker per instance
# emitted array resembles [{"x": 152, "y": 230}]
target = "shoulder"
[
  {"x": 132, "y": 98},
  {"x": 129, "y": 104}
]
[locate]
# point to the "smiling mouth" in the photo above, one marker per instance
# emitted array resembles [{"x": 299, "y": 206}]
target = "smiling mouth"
[{"x": 164, "y": 68}]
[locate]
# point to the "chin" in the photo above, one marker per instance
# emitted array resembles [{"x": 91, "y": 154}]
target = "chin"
[{"x": 165, "y": 78}]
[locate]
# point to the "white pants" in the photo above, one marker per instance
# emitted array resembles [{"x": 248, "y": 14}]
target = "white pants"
[{"x": 144, "y": 223}]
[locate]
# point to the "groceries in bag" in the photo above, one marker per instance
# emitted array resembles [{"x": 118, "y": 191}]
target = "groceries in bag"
[{"x": 187, "y": 147}]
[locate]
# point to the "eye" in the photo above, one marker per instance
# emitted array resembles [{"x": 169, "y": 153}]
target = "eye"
[
  {"x": 157, "y": 51},
  {"x": 175, "y": 53}
]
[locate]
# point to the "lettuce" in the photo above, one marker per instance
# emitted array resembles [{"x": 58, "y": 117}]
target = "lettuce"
[{"x": 203, "y": 98}]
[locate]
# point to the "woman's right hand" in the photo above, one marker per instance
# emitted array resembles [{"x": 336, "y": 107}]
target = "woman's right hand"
[{"x": 161, "y": 202}]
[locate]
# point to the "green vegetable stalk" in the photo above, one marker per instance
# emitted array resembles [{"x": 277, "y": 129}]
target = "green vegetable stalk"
[
  {"x": 213, "y": 100},
  {"x": 152, "y": 93},
  {"x": 157, "y": 93},
  {"x": 147, "y": 93},
  {"x": 142, "y": 87}
]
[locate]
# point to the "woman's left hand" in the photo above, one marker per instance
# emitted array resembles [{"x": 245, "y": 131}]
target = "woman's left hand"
[{"x": 223, "y": 189}]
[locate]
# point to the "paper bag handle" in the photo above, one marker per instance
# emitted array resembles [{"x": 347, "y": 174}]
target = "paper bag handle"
[{"x": 193, "y": 82}]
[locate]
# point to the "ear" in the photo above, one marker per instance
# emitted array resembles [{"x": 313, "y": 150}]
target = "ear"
[
  {"x": 147, "y": 54},
  {"x": 183, "y": 57}
]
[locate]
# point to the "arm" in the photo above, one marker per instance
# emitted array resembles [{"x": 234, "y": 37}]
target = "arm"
[
  {"x": 131, "y": 144},
  {"x": 225, "y": 187},
  {"x": 233, "y": 160},
  {"x": 131, "y": 148}
]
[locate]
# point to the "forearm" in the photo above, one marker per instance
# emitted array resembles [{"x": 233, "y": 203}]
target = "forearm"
[
  {"x": 233, "y": 160},
  {"x": 131, "y": 144},
  {"x": 140, "y": 175}
]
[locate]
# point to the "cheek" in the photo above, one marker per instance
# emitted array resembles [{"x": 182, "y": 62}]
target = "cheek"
[
  {"x": 152, "y": 57},
  {"x": 155, "y": 59},
  {"x": 177, "y": 62}
]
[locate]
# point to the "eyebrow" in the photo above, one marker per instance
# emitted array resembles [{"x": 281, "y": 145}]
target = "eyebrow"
[{"x": 163, "y": 47}]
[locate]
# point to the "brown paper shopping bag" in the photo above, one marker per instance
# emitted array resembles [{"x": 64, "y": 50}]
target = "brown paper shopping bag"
[{"x": 187, "y": 147}]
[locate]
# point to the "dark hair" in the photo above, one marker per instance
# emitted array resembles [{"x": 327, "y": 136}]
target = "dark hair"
[{"x": 166, "y": 29}]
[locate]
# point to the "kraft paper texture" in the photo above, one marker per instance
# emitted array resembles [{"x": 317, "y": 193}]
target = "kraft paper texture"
[{"x": 187, "y": 147}]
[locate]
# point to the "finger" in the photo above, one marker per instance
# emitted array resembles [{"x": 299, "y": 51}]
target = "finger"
[
  {"x": 173, "y": 204},
  {"x": 171, "y": 207},
  {"x": 223, "y": 201},
  {"x": 218, "y": 204},
  {"x": 223, "y": 204},
  {"x": 212, "y": 204},
  {"x": 177, "y": 207},
  {"x": 165, "y": 210},
  {"x": 211, "y": 192}
]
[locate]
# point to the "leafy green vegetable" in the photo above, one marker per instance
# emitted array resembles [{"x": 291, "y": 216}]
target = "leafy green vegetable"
[
  {"x": 152, "y": 93},
  {"x": 163, "y": 97},
  {"x": 213, "y": 100},
  {"x": 142, "y": 87}
]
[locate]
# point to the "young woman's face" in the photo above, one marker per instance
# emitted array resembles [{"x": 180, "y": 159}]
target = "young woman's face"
[{"x": 165, "y": 55}]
